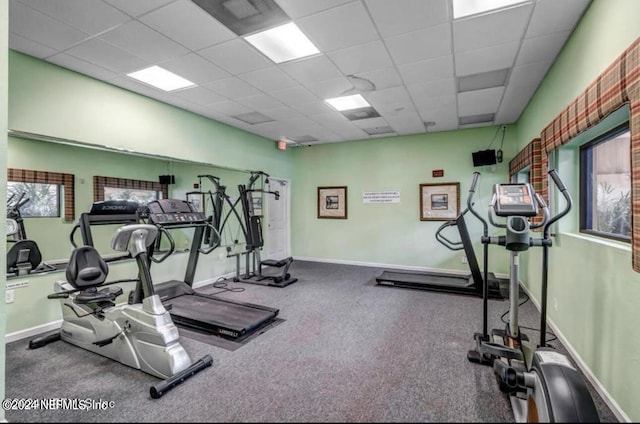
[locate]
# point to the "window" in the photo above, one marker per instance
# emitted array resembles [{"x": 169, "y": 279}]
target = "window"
[
  {"x": 605, "y": 185},
  {"x": 42, "y": 200},
  {"x": 140, "y": 191},
  {"x": 142, "y": 197},
  {"x": 33, "y": 178}
]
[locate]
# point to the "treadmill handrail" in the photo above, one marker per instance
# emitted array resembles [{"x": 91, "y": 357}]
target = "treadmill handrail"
[{"x": 172, "y": 245}]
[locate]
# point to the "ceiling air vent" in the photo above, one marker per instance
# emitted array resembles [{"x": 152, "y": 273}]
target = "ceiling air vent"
[
  {"x": 245, "y": 16},
  {"x": 360, "y": 113},
  {"x": 379, "y": 130},
  {"x": 304, "y": 138},
  {"x": 253, "y": 118},
  {"x": 483, "y": 80},
  {"x": 486, "y": 118}
]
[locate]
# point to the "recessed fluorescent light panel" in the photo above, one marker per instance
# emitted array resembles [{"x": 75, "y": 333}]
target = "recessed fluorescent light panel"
[
  {"x": 283, "y": 43},
  {"x": 462, "y": 8},
  {"x": 245, "y": 16},
  {"x": 161, "y": 78},
  {"x": 355, "y": 101},
  {"x": 483, "y": 80}
]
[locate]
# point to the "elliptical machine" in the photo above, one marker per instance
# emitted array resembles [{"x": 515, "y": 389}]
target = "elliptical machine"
[
  {"x": 139, "y": 334},
  {"x": 542, "y": 383}
]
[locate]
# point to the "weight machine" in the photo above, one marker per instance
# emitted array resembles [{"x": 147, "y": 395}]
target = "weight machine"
[{"x": 251, "y": 226}]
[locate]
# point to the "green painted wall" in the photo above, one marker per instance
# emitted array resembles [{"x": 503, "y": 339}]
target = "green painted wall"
[
  {"x": 392, "y": 233},
  {"x": 593, "y": 292},
  {"x": 4, "y": 43}
]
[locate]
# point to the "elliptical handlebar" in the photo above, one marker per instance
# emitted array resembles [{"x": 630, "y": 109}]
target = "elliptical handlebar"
[
  {"x": 567, "y": 196},
  {"x": 472, "y": 191}
]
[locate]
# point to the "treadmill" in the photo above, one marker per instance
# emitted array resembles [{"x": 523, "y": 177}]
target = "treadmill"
[
  {"x": 201, "y": 312},
  {"x": 471, "y": 284}
]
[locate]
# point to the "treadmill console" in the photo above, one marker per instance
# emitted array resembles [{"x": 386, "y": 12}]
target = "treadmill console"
[
  {"x": 514, "y": 200},
  {"x": 168, "y": 212}
]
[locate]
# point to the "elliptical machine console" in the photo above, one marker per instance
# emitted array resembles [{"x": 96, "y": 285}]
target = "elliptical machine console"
[{"x": 542, "y": 383}]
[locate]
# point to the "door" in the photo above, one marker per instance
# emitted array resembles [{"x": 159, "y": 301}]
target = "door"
[{"x": 278, "y": 238}]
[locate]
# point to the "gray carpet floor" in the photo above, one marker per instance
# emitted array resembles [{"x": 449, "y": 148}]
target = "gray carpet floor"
[{"x": 348, "y": 350}]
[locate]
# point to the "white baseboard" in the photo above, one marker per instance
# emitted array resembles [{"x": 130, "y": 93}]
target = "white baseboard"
[
  {"x": 33, "y": 331},
  {"x": 381, "y": 265},
  {"x": 604, "y": 394}
]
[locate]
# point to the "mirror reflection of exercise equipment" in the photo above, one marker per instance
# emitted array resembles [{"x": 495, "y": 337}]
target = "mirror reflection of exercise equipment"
[
  {"x": 250, "y": 222},
  {"x": 23, "y": 257},
  {"x": 542, "y": 383},
  {"x": 139, "y": 334}
]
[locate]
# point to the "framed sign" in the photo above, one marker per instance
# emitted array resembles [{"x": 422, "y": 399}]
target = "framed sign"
[
  {"x": 196, "y": 198},
  {"x": 439, "y": 202},
  {"x": 332, "y": 202}
]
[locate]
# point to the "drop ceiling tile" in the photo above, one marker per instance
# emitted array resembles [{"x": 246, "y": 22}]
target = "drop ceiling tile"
[
  {"x": 235, "y": 56},
  {"x": 313, "y": 69},
  {"x": 298, "y": 8},
  {"x": 36, "y": 26},
  {"x": 429, "y": 104},
  {"x": 199, "y": 95},
  {"x": 330, "y": 119},
  {"x": 427, "y": 70},
  {"x": 361, "y": 58},
  {"x": 479, "y": 101},
  {"x": 229, "y": 108},
  {"x": 260, "y": 102},
  {"x": 195, "y": 69},
  {"x": 137, "y": 7},
  {"x": 144, "y": 42},
  {"x": 437, "y": 88},
  {"x": 107, "y": 56},
  {"x": 283, "y": 113},
  {"x": 294, "y": 96},
  {"x": 329, "y": 88},
  {"x": 32, "y": 48},
  {"x": 529, "y": 74},
  {"x": 90, "y": 16},
  {"x": 545, "y": 48},
  {"x": 269, "y": 79},
  {"x": 487, "y": 59},
  {"x": 514, "y": 101},
  {"x": 407, "y": 122},
  {"x": 413, "y": 15},
  {"x": 419, "y": 45},
  {"x": 390, "y": 101},
  {"x": 202, "y": 31},
  {"x": 80, "y": 66},
  {"x": 233, "y": 88},
  {"x": 340, "y": 27},
  {"x": 490, "y": 29},
  {"x": 444, "y": 120},
  {"x": 383, "y": 78},
  {"x": 552, "y": 16},
  {"x": 313, "y": 108}
]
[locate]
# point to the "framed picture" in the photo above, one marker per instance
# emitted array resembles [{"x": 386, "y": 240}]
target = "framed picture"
[
  {"x": 332, "y": 202},
  {"x": 256, "y": 204},
  {"x": 196, "y": 198},
  {"x": 439, "y": 202}
]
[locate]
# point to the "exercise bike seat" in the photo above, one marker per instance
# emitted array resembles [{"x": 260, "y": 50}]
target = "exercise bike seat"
[{"x": 86, "y": 271}]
